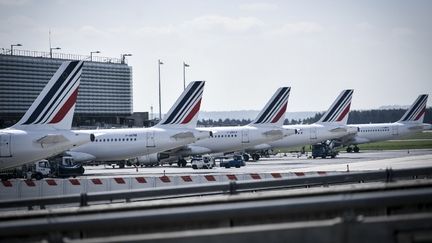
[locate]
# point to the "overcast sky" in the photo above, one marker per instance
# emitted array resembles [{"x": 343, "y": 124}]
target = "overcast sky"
[{"x": 245, "y": 50}]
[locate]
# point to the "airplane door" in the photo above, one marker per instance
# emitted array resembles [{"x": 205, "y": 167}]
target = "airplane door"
[
  {"x": 245, "y": 136},
  {"x": 150, "y": 140},
  {"x": 5, "y": 146},
  {"x": 313, "y": 133},
  {"x": 395, "y": 130}
]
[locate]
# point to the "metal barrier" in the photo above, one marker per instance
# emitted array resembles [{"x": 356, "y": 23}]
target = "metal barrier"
[
  {"x": 222, "y": 213},
  {"x": 232, "y": 187}
]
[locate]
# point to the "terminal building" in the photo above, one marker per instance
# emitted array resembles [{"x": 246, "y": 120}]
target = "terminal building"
[{"x": 105, "y": 93}]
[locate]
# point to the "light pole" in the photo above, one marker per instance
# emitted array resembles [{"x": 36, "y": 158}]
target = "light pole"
[
  {"x": 185, "y": 65},
  {"x": 160, "y": 108},
  {"x": 91, "y": 54},
  {"x": 53, "y": 48},
  {"x": 12, "y": 48},
  {"x": 123, "y": 57}
]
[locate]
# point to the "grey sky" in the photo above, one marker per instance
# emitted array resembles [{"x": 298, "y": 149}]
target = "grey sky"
[{"x": 245, "y": 50}]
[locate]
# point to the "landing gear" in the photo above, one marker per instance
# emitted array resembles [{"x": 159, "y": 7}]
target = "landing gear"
[
  {"x": 356, "y": 149},
  {"x": 255, "y": 157},
  {"x": 246, "y": 157},
  {"x": 182, "y": 163}
]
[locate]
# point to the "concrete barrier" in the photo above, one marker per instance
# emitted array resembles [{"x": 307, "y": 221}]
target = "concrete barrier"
[
  {"x": 52, "y": 187},
  {"x": 9, "y": 189},
  {"x": 119, "y": 183},
  {"x": 162, "y": 181},
  {"x": 96, "y": 185},
  {"x": 18, "y": 188},
  {"x": 29, "y": 188},
  {"x": 143, "y": 182},
  {"x": 74, "y": 186}
]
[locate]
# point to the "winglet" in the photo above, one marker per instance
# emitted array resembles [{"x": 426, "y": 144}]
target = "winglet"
[
  {"x": 417, "y": 110},
  {"x": 55, "y": 105},
  {"x": 274, "y": 111},
  {"x": 338, "y": 111},
  {"x": 184, "y": 113}
]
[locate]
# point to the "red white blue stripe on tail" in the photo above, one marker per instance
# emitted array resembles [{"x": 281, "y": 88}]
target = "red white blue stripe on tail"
[
  {"x": 185, "y": 110},
  {"x": 417, "y": 110},
  {"x": 340, "y": 108},
  {"x": 55, "y": 104},
  {"x": 274, "y": 111}
]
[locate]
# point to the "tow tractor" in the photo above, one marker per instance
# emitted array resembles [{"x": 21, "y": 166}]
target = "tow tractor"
[{"x": 324, "y": 150}]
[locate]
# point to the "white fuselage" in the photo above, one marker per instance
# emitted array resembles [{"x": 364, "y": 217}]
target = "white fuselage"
[
  {"x": 231, "y": 139},
  {"x": 306, "y": 135},
  {"x": 19, "y": 147},
  {"x": 121, "y": 144},
  {"x": 384, "y": 131}
]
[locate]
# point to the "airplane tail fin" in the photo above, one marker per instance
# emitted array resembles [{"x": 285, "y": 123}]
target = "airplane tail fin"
[
  {"x": 274, "y": 111},
  {"x": 338, "y": 111},
  {"x": 184, "y": 113},
  {"x": 55, "y": 105},
  {"x": 417, "y": 110}
]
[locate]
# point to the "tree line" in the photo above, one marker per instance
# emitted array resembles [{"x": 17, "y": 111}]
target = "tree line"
[{"x": 355, "y": 117}]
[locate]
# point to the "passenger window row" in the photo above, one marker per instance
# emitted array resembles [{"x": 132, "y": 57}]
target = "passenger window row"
[
  {"x": 375, "y": 130},
  {"x": 225, "y": 136},
  {"x": 114, "y": 140}
]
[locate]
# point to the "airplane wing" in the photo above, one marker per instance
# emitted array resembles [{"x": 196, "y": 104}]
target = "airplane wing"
[
  {"x": 51, "y": 139},
  {"x": 183, "y": 135}
]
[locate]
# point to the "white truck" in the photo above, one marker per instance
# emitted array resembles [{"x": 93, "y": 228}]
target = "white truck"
[{"x": 202, "y": 162}]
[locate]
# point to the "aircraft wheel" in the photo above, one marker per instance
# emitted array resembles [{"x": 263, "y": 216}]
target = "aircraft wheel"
[
  {"x": 349, "y": 149},
  {"x": 356, "y": 149},
  {"x": 246, "y": 157},
  {"x": 256, "y": 157},
  {"x": 183, "y": 162}
]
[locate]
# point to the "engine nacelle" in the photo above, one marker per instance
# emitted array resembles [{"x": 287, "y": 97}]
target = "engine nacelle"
[
  {"x": 80, "y": 157},
  {"x": 152, "y": 158}
]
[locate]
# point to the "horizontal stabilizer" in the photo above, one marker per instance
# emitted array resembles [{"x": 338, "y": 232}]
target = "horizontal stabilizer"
[
  {"x": 51, "y": 139},
  {"x": 338, "y": 129},
  {"x": 274, "y": 133},
  {"x": 183, "y": 135},
  {"x": 417, "y": 127}
]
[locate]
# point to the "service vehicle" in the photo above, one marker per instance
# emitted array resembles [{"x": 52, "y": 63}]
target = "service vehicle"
[
  {"x": 202, "y": 162},
  {"x": 59, "y": 167},
  {"x": 236, "y": 161},
  {"x": 324, "y": 150}
]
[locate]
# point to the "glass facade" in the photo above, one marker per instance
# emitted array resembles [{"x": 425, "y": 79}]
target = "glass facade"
[{"x": 105, "y": 93}]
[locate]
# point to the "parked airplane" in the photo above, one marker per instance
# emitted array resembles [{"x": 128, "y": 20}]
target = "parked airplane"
[
  {"x": 176, "y": 129},
  {"x": 266, "y": 127},
  {"x": 331, "y": 125},
  {"x": 411, "y": 122},
  {"x": 44, "y": 130}
]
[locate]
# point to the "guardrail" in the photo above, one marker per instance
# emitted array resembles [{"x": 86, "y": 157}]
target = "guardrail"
[{"x": 232, "y": 187}]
